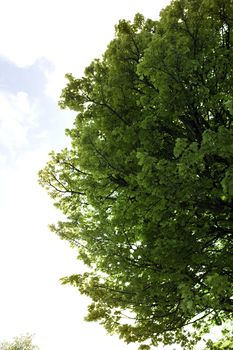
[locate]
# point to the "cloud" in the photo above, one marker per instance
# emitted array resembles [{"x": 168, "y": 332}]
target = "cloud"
[{"x": 18, "y": 115}]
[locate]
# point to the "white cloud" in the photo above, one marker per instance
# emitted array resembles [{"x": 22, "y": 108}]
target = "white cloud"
[{"x": 18, "y": 115}]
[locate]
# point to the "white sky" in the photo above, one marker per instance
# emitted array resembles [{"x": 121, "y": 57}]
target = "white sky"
[{"x": 40, "y": 41}]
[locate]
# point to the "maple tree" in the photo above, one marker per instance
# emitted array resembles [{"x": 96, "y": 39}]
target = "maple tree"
[{"x": 147, "y": 184}]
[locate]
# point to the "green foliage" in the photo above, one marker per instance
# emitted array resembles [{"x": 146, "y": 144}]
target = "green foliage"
[
  {"x": 147, "y": 184},
  {"x": 225, "y": 343},
  {"x": 19, "y": 343}
]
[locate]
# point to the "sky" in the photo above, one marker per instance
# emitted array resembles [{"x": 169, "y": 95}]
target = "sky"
[{"x": 40, "y": 41}]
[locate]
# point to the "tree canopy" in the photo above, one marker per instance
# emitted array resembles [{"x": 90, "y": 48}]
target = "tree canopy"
[{"x": 147, "y": 184}]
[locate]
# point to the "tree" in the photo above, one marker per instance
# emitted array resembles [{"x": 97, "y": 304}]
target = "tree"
[
  {"x": 147, "y": 184},
  {"x": 19, "y": 343}
]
